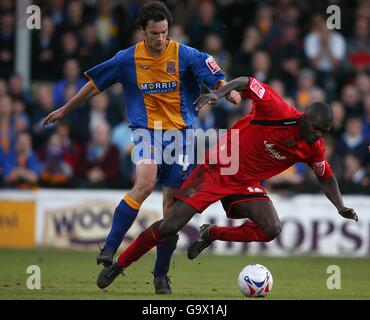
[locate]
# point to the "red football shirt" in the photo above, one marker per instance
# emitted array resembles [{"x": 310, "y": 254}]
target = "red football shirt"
[{"x": 269, "y": 139}]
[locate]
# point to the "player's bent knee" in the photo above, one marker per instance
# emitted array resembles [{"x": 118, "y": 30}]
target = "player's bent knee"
[
  {"x": 273, "y": 230},
  {"x": 145, "y": 187},
  {"x": 167, "y": 230}
]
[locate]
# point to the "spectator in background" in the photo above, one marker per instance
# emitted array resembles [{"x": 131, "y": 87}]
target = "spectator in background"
[
  {"x": 352, "y": 100},
  {"x": 339, "y": 116},
  {"x": 306, "y": 82},
  {"x": 326, "y": 50},
  {"x": 69, "y": 45},
  {"x": 334, "y": 159},
  {"x": 183, "y": 11},
  {"x": 121, "y": 138},
  {"x": 91, "y": 51},
  {"x": 213, "y": 44},
  {"x": 354, "y": 179},
  {"x": 69, "y": 144},
  {"x": 287, "y": 53},
  {"x": 21, "y": 166},
  {"x": 2, "y": 159},
  {"x": 206, "y": 119},
  {"x": 63, "y": 129},
  {"x": 278, "y": 86},
  {"x": 21, "y": 118},
  {"x": 3, "y": 88},
  {"x": 6, "y": 6},
  {"x": 7, "y": 44},
  {"x": 99, "y": 161},
  {"x": 177, "y": 33},
  {"x": 136, "y": 37},
  {"x": 99, "y": 111},
  {"x": 265, "y": 24},
  {"x": 236, "y": 15},
  {"x": 366, "y": 117},
  {"x": 358, "y": 55},
  {"x": 289, "y": 181},
  {"x": 56, "y": 11},
  {"x": 353, "y": 140},
  {"x": 44, "y": 51},
  {"x": 363, "y": 10},
  {"x": 107, "y": 25},
  {"x": 72, "y": 78},
  {"x": 74, "y": 17},
  {"x": 205, "y": 22},
  {"x": 42, "y": 106},
  {"x": 362, "y": 82},
  {"x": 261, "y": 66},
  {"x": 17, "y": 89},
  {"x": 242, "y": 58},
  {"x": 318, "y": 95},
  {"x": 56, "y": 163},
  {"x": 8, "y": 129}
]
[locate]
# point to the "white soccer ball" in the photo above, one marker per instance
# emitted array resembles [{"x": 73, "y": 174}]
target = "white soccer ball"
[{"x": 255, "y": 280}]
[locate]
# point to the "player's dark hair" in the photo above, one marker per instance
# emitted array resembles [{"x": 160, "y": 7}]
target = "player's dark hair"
[
  {"x": 156, "y": 11},
  {"x": 321, "y": 110}
]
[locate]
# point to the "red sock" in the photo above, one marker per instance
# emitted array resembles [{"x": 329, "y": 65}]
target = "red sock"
[
  {"x": 141, "y": 245},
  {"x": 247, "y": 232}
]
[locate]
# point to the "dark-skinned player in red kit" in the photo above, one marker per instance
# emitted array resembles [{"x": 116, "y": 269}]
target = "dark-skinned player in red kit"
[{"x": 270, "y": 139}]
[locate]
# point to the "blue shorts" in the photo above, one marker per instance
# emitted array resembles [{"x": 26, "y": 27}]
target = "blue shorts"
[{"x": 172, "y": 150}]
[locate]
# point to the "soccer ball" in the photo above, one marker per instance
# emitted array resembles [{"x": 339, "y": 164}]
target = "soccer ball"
[{"x": 255, "y": 280}]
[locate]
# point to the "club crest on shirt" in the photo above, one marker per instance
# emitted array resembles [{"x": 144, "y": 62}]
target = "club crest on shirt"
[
  {"x": 171, "y": 66},
  {"x": 319, "y": 168}
]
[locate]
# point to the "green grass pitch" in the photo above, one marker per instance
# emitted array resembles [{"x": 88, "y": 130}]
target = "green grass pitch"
[{"x": 69, "y": 274}]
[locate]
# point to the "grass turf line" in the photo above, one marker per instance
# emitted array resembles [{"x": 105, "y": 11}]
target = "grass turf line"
[{"x": 72, "y": 275}]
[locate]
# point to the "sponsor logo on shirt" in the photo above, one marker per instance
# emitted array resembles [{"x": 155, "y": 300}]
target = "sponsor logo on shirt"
[
  {"x": 319, "y": 168},
  {"x": 270, "y": 147},
  {"x": 257, "y": 88},
  {"x": 158, "y": 87},
  {"x": 212, "y": 64}
]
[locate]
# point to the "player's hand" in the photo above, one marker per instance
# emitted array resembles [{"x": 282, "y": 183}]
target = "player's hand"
[
  {"x": 54, "y": 116},
  {"x": 234, "y": 97},
  {"x": 348, "y": 213},
  {"x": 209, "y": 98}
]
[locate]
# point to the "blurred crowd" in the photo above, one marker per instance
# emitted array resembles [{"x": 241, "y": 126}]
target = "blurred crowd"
[{"x": 284, "y": 43}]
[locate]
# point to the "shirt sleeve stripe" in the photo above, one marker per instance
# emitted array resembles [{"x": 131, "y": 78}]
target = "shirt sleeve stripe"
[{"x": 92, "y": 81}]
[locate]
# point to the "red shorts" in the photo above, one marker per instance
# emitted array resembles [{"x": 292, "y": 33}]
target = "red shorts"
[{"x": 206, "y": 185}]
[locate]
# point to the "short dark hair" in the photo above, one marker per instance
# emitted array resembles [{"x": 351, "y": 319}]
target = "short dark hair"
[
  {"x": 156, "y": 11},
  {"x": 322, "y": 111}
]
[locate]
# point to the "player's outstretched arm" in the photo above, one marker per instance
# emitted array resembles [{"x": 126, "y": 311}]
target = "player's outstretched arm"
[
  {"x": 238, "y": 84},
  {"x": 86, "y": 92},
  {"x": 332, "y": 192}
]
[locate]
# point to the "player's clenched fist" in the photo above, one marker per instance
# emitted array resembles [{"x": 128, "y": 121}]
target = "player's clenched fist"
[
  {"x": 234, "y": 97},
  {"x": 209, "y": 98},
  {"x": 348, "y": 213}
]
